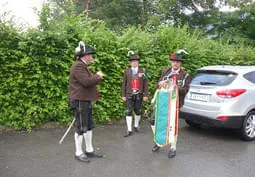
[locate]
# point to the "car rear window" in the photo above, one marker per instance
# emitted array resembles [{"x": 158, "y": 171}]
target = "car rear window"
[
  {"x": 214, "y": 78},
  {"x": 250, "y": 76}
]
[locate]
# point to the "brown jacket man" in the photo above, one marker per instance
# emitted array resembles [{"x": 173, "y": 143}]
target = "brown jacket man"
[
  {"x": 134, "y": 92},
  {"x": 127, "y": 79},
  {"x": 82, "y": 91},
  {"x": 183, "y": 81}
]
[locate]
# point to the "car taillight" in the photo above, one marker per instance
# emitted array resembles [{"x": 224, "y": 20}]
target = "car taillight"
[
  {"x": 230, "y": 93},
  {"x": 222, "y": 117}
]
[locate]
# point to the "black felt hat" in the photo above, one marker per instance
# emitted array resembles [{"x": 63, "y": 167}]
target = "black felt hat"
[
  {"x": 133, "y": 56},
  {"x": 83, "y": 49},
  {"x": 176, "y": 57}
]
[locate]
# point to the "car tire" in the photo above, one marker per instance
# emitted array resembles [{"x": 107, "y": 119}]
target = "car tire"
[
  {"x": 193, "y": 124},
  {"x": 248, "y": 128}
]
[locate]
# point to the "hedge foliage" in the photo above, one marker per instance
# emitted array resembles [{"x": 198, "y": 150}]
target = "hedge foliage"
[{"x": 34, "y": 65}]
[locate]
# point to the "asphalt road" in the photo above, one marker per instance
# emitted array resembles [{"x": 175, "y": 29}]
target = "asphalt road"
[{"x": 200, "y": 153}]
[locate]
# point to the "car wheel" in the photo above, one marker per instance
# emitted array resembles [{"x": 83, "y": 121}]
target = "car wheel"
[
  {"x": 248, "y": 128},
  {"x": 193, "y": 124}
]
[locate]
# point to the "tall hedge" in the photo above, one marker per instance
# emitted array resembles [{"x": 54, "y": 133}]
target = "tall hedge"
[{"x": 34, "y": 65}]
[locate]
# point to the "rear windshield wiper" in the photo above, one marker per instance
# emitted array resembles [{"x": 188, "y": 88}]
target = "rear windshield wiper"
[{"x": 207, "y": 83}]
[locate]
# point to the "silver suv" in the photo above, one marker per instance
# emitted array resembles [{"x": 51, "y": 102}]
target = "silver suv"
[{"x": 222, "y": 96}]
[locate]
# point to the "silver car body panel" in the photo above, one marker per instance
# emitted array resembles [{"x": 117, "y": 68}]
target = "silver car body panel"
[{"x": 203, "y": 100}]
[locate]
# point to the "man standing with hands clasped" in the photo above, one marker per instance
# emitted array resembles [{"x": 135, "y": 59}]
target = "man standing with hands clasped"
[
  {"x": 134, "y": 92},
  {"x": 82, "y": 91}
]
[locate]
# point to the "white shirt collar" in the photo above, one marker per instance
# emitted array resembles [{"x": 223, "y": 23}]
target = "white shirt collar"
[
  {"x": 176, "y": 71},
  {"x": 134, "y": 69},
  {"x": 84, "y": 62}
]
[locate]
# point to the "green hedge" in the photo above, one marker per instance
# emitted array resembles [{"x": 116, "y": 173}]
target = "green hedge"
[{"x": 34, "y": 67}]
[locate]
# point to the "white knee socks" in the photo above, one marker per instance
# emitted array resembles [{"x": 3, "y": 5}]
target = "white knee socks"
[
  {"x": 173, "y": 146},
  {"x": 153, "y": 129},
  {"x": 88, "y": 141},
  {"x": 137, "y": 120},
  {"x": 78, "y": 144},
  {"x": 129, "y": 123}
]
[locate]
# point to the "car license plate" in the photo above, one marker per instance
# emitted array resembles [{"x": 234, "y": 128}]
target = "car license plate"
[{"x": 199, "y": 97}]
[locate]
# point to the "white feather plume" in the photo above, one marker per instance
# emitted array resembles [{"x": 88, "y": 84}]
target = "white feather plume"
[
  {"x": 181, "y": 51},
  {"x": 131, "y": 52},
  {"x": 81, "y": 43}
]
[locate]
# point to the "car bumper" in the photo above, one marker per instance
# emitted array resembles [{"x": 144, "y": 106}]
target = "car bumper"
[{"x": 231, "y": 122}]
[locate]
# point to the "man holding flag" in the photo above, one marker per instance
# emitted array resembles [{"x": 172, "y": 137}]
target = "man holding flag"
[{"x": 181, "y": 81}]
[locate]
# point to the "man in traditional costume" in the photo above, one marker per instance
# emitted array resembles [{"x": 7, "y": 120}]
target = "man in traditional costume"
[
  {"x": 134, "y": 92},
  {"x": 82, "y": 91},
  {"x": 181, "y": 83}
]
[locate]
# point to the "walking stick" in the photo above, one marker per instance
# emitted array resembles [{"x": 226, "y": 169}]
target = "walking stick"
[{"x": 63, "y": 137}]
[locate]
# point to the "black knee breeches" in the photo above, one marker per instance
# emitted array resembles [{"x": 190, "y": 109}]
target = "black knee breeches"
[
  {"x": 134, "y": 102},
  {"x": 83, "y": 116}
]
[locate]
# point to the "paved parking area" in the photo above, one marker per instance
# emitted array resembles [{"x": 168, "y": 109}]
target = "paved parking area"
[{"x": 200, "y": 153}]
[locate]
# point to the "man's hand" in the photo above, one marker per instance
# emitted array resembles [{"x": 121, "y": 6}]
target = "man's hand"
[
  {"x": 145, "y": 98},
  {"x": 163, "y": 83},
  {"x": 124, "y": 99},
  {"x": 146, "y": 113},
  {"x": 100, "y": 74}
]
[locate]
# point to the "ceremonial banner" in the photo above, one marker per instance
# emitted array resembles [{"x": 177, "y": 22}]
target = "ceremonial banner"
[{"x": 166, "y": 117}]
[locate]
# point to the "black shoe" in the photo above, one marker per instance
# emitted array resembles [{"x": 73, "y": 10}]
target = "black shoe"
[
  {"x": 128, "y": 134},
  {"x": 155, "y": 148},
  {"x": 82, "y": 158},
  {"x": 94, "y": 154},
  {"x": 136, "y": 129},
  {"x": 171, "y": 154}
]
